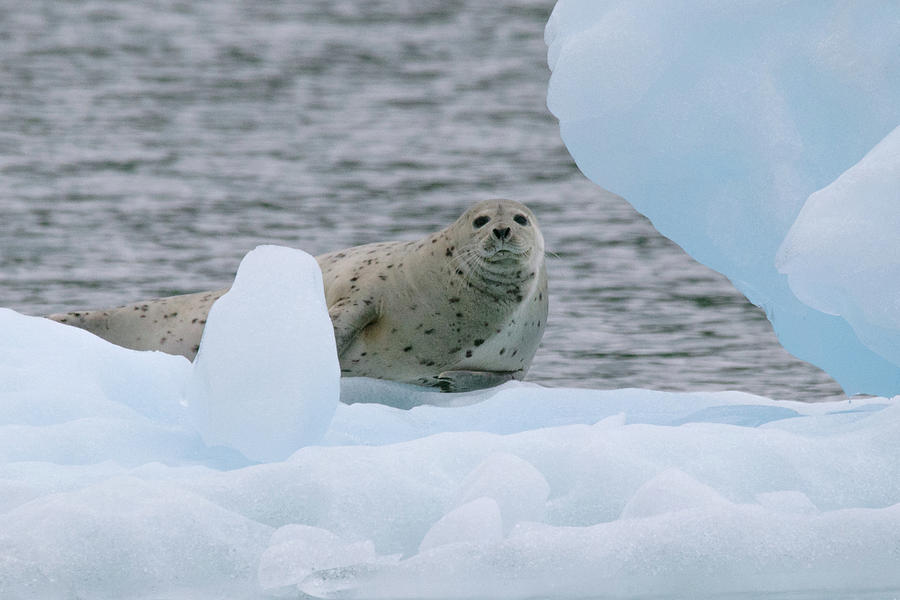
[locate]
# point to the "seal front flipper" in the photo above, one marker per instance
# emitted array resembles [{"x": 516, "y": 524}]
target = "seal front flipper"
[
  {"x": 349, "y": 319},
  {"x": 466, "y": 381}
]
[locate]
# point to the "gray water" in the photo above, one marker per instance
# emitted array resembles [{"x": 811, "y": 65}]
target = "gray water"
[{"x": 146, "y": 146}]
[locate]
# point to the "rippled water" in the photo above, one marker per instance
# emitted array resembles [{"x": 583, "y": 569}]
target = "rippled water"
[{"x": 145, "y": 147}]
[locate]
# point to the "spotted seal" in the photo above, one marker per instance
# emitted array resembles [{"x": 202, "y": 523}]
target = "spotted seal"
[{"x": 460, "y": 309}]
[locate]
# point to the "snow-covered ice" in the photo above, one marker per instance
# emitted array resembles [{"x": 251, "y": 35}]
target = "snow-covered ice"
[
  {"x": 108, "y": 490},
  {"x": 719, "y": 119}
]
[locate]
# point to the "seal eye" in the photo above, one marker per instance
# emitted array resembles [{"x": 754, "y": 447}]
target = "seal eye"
[
  {"x": 480, "y": 221},
  {"x": 520, "y": 219}
]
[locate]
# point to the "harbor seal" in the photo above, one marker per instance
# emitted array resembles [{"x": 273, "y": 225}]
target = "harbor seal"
[{"x": 460, "y": 309}]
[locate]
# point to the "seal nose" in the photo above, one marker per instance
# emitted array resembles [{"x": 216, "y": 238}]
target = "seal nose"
[{"x": 501, "y": 234}]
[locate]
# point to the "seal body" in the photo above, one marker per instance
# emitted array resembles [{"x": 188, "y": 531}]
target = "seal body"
[{"x": 462, "y": 308}]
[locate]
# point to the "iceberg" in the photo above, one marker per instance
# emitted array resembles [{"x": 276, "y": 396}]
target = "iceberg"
[
  {"x": 111, "y": 485},
  {"x": 719, "y": 120}
]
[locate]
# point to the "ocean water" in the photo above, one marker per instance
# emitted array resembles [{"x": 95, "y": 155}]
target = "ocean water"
[{"x": 146, "y": 147}]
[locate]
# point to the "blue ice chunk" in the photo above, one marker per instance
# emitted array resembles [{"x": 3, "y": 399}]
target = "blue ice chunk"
[{"x": 718, "y": 120}]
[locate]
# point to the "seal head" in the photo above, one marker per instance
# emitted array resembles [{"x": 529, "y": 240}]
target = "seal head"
[{"x": 460, "y": 309}]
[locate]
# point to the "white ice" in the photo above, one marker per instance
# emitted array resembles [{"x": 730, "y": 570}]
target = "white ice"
[
  {"x": 719, "y": 119},
  {"x": 108, "y": 489},
  {"x": 266, "y": 379}
]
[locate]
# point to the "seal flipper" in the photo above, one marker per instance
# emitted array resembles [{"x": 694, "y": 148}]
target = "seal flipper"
[
  {"x": 467, "y": 381},
  {"x": 349, "y": 319}
]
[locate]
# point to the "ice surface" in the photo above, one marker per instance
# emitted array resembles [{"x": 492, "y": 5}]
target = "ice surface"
[
  {"x": 66, "y": 398},
  {"x": 266, "y": 380},
  {"x": 671, "y": 491},
  {"x": 297, "y": 551},
  {"x": 121, "y": 537},
  {"x": 514, "y": 492},
  {"x": 477, "y": 522},
  {"x": 108, "y": 490},
  {"x": 517, "y": 488},
  {"x": 719, "y": 119}
]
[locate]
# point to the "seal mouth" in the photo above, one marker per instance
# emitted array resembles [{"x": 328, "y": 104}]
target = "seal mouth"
[
  {"x": 503, "y": 252},
  {"x": 494, "y": 265},
  {"x": 496, "y": 269},
  {"x": 503, "y": 247}
]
